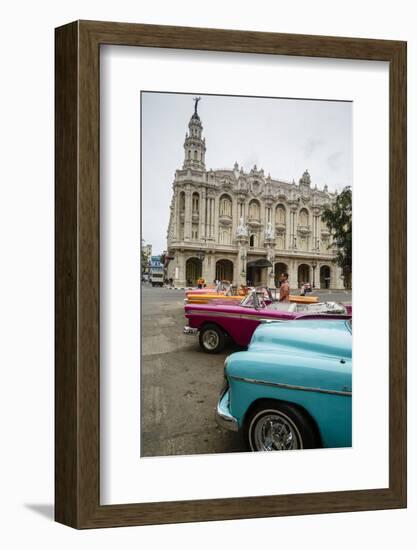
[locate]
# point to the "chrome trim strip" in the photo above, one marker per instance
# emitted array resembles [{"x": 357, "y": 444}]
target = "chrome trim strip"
[
  {"x": 234, "y": 315},
  {"x": 290, "y": 386}
]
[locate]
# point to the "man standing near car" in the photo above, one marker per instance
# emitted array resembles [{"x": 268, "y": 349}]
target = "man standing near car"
[{"x": 284, "y": 289}]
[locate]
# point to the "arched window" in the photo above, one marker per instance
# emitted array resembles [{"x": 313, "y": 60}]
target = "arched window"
[
  {"x": 224, "y": 270},
  {"x": 325, "y": 276},
  {"x": 195, "y": 155},
  {"x": 195, "y": 203},
  {"x": 252, "y": 240},
  {"x": 280, "y": 214},
  {"x": 303, "y": 217},
  {"x": 189, "y": 154},
  {"x": 182, "y": 201},
  {"x": 225, "y": 206},
  {"x": 303, "y": 274},
  {"x": 254, "y": 210}
]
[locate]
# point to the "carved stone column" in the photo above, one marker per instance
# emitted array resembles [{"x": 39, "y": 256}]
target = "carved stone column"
[
  {"x": 211, "y": 217},
  {"x": 336, "y": 277},
  {"x": 293, "y": 274},
  {"x": 188, "y": 215},
  {"x": 270, "y": 255},
  {"x": 241, "y": 275},
  {"x": 206, "y": 270},
  {"x": 235, "y": 217},
  {"x": 211, "y": 267},
  {"x": 179, "y": 270},
  {"x": 216, "y": 219},
  {"x": 203, "y": 215}
]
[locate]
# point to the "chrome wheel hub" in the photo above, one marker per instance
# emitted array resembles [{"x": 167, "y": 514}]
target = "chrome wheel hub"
[
  {"x": 276, "y": 432},
  {"x": 210, "y": 339}
]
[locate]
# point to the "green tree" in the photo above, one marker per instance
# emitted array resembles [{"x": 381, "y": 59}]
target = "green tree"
[
  {"x": 144, "y": 259},
  {"x": 338, "y": 218}
]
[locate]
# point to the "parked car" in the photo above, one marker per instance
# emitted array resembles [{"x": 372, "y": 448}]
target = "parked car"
[
  {"x": 218, "y": 286},
  {"x": 216, "y": 323},
  {"x": 223, "y": 290},
  {"x": 292, "y": 389},
  {"x": 233, "y": 294},
  {"x": 305, "y": 289}
]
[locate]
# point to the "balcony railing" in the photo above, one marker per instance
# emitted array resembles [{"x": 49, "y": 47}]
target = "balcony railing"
[
  {"x": 225, "y": 219},
  {"x": 304, "y": 229},
  {"x": 254, "y": 221}
]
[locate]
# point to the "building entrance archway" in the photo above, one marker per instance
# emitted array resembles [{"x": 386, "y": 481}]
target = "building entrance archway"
[
  {"x": 193, "y": 271},
  {"x": 257, "y": 272},
  {"x": 303, "y": 274},
  {"x": 324, "y": 276},
  {"x": 279, "y": 269},
  {"x": 224, "y": 270}
]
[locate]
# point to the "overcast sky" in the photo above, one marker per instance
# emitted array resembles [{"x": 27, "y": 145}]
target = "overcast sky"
[{"x": 282, "y": 136}]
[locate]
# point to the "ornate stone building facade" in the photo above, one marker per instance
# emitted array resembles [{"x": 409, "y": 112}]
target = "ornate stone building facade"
[{"x": 246, "y": 227}]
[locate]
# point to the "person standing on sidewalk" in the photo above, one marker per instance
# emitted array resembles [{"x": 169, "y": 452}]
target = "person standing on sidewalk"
[{"x": 284, "y": 289}]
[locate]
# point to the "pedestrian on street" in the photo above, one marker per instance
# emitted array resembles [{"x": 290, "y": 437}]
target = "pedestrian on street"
[
  {"x": 201, "y": 282},
  {"x": 284, "y": 289}
]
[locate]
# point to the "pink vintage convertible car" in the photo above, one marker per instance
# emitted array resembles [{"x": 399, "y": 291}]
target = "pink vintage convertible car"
[{"x": 218, "y": 323}]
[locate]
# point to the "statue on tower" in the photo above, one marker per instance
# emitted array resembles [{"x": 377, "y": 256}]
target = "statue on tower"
[{"x": 196, "y": 99}]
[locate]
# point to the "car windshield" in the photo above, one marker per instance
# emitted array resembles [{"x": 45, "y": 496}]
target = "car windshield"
[
  {"x": 255, "y": 298},
  {"x": 231, "y": 291},
  {"x": 322, "y": 307}
]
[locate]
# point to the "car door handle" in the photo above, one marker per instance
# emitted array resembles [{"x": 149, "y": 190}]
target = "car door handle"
[{"x": 342, "y": 361}]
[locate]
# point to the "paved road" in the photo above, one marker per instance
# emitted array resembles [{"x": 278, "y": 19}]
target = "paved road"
[{"x": 181, "y": 384}]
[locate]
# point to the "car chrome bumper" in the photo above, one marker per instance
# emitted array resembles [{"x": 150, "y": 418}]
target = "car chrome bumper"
[
  {"x": 223, "y": 417},
  {"x": 190, "y": 330}
]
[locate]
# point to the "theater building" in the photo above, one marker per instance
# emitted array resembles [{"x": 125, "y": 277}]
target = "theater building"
[{"x": 246, "y": 227}]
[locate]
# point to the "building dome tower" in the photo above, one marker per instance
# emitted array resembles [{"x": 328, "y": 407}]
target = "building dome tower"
[{"x": 195, "y": 145}]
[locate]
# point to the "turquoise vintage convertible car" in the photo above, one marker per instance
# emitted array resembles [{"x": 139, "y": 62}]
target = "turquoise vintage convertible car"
[{"x": 292, "y": 388}]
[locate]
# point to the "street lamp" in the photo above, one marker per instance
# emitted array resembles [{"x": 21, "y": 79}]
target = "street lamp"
[
  {"x": 243, "y": 258},
  {"x": 272, "y": 259},
  {"x": 200, "y": 255},
  {"x": 314, "y": 265}
]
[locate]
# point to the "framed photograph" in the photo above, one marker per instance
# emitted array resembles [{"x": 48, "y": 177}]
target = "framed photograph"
[{"x": 230, "y": 274}]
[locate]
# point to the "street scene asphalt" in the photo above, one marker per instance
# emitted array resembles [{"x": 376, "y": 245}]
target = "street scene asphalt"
[{"x": 180, "y": 384}]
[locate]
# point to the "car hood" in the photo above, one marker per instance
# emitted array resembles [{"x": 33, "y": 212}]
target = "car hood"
[
  {"x": 314, "y": 355},
  {"x": 323, "y": 337}
]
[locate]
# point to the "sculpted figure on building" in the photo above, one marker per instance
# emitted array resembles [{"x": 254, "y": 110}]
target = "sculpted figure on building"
[{"x": 246, "y": 227}]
